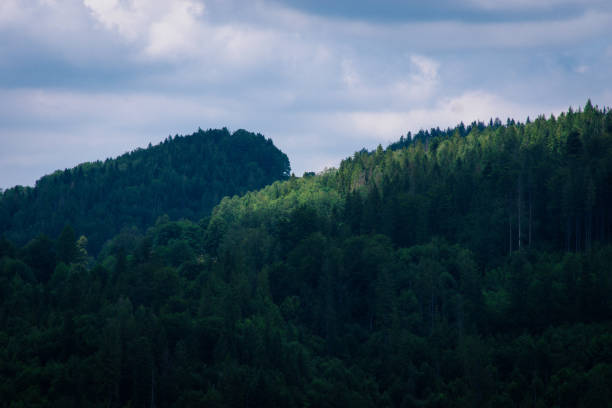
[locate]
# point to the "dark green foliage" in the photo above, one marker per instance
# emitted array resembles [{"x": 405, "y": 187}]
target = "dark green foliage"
[
  {"x": 66, "y": 245},
  {"x": 183, "y": 177},
  {"x": 400, "y": 279}
]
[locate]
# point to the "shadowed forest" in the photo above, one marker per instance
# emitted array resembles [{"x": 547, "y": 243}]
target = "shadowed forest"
[{"x": 455, "y": 268}]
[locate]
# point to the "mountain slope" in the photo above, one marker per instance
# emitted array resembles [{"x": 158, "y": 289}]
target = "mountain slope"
[
  {"x": 399, "y": 279},
  {"x": 180, "y": 177}
]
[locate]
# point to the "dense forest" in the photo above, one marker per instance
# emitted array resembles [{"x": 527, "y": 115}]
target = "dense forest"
[
  {"x": 182, "y": 177},
  {"x": 457, "y": 268}
]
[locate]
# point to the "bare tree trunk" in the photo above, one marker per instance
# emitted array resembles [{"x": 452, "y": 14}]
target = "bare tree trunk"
[
  {"x": 577, "y": 232},
  {"x": 530, "y": 213},
  {"x": 567, "y": 234},
  {"x": 601, "y": 224},
  {"x": 152, "y": 389},
  {"x": 587, "y": 230},
  {"x": 432, "y": 308},
  {"x": 604, "y": 225},
  {"x": 607, "y": 226},
  {"x": 519, "y": 211}
]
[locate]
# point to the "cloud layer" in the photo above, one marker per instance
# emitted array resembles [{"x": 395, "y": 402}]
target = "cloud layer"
[{"x": 87, "y": 79}]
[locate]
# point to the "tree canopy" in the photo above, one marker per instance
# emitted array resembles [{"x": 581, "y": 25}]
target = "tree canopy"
[
  {"x": 463, "y": 268},
  {"x": 183, "y": 177}
]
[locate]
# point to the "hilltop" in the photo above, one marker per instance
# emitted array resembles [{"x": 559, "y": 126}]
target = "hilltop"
[{"x": 182, "y": 177}]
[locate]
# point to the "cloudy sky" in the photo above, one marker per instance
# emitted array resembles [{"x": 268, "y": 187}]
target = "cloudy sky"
[{"x": 82, "y": 80}]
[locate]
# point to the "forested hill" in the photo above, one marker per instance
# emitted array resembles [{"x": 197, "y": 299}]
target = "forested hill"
[
  {"x": 457, "y": 269},
  {"x": 183, "y": 177},
  {"x": 546, "y": 184}
]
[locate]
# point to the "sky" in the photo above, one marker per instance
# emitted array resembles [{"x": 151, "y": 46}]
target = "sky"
[{"x": 84, "y": 80}]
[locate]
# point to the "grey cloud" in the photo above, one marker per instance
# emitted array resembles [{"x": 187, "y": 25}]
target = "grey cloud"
[{"x": 472, "y": 11}]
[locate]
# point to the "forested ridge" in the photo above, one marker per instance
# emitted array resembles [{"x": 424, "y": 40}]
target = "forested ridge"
[
  {"x": 464, "y": 267},
  {"x": 183, "y": 177}
]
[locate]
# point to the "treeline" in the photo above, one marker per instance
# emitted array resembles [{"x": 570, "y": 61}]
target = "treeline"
[
  {"x": 547, "y": 184},
  {"x": 183, "y": 177},
  {"x": 400, "y": 279}
]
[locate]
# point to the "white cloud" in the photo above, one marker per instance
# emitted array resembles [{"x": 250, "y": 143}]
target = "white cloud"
[
  {"x": 582, "y": 69},
  {"x": 167, "y": 27},
  {"x": 176, "y": 30},
  {"x": 387, "y": 126},
  {"x": 350, "y": 77},
  {"x": 67, "y": 128},
  {"x": 364, "y": 86},
  {"x": 427, "y": 68},
  {"x": 182, "y": 30},
  {"x": 424, "y": 79},
  {"x": 9, "y": 12},
  {"x": 108, "y": 109},
  {"x": 124, "y": 17}
]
